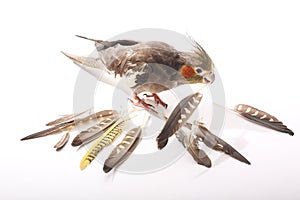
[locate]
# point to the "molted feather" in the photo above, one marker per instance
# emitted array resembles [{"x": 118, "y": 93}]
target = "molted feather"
[
  {"x": 216, "y": 143},
  {"x": 178, "y": 117},
  {"x": 69, "y": 125},
  {"x": 104, "y": 140},
  {"x": 262, "y": 118},
  {"x": 123, "y": 150},
  {"x": 64, "y": 118},
  {"x": 62, "y": 142},
  {"x": 95, "y": 131},
  {"x": 193, "y": 147}
]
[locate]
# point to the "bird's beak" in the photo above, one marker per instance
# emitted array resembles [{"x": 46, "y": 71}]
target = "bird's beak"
[{"x": 209, "y": 78}]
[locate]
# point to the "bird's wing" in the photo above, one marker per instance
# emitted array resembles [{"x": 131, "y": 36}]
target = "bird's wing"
[
  {"x": 153, "y": 77},
  {"x": 120, "y": 59}
]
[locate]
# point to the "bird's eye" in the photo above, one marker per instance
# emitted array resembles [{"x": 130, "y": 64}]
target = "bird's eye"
[{"x": 198, "y": 70}]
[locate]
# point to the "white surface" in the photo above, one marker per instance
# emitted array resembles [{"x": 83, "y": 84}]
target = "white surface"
[{"x": 255, "y": 46}]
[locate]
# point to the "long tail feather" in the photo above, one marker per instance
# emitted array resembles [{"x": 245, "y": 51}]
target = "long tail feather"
[
  {"x": 67, "y": 126},
  {"x": 50, "y": 131},
  {"x": 262, "y": 118},
  {"x": 89, "y": 62},
  {"x": 86, "y": 38}
]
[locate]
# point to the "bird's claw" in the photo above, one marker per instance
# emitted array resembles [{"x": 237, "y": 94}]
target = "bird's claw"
[
  {"x": 157, "y": 99},
  {"x": 140, "y": 103}
]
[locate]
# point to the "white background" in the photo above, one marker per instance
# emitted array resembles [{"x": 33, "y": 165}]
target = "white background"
[{"x": 254, "y": 44}]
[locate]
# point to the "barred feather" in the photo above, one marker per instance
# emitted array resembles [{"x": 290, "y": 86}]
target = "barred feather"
[
  {"x": 69, "y": 125},
  {"x": 192, "y": 146},
  {"x": 95, "y": 131},
  {"x": 216, "y": 143},
  {"x": 262, "y": 118},
  {"x": 104, "y": 140},
  {"x": 50, "y": 131},
  {"x": 123, "y": 150},
  {"x": 178, "y": 117},
  {"x": 198, "y": 154}
]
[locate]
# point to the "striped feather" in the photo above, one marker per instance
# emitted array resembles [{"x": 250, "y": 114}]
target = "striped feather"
[
  {"x": 216, "y": 143},
  {"x": 93, "y": 132},
  {"x": 194, "y": 149},
  {"x": 198, "y": 154},
  {"x": 123, "y": 150},
  {"x": 262, "y": 118},
  {"x": 50, "y": 131},
  {"x": 69, "y": 125},
  {"x": 104, "y": 140},
  {"x": 178, "y": 117}
]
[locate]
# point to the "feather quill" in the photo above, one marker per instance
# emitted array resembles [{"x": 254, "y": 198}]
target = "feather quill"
[
  {"x": 178, "y": 117},
  {"x": 104, "y": 140},
  {"x": 64, "y": 118},
  {"x": 262, "y": 118}
]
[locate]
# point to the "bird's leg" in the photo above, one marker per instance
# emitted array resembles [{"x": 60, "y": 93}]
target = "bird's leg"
[
  {"x": 140, "y": 102},
  {"x": 157, "y": 99}
]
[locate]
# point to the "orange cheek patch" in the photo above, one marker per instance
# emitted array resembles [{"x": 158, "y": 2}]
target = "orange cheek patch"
[{"x": 187, "y": 71}]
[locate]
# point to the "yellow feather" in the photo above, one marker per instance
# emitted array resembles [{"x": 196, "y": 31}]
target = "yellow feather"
[{"x": 104, "y": 140}]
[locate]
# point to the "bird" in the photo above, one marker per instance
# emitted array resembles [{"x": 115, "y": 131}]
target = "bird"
[{"x": 150, "y": 66}]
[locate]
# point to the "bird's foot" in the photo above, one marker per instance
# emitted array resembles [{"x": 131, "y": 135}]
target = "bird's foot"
[
  {"x": 157, "y": 99},
  {"x": 140, "y": 102}
]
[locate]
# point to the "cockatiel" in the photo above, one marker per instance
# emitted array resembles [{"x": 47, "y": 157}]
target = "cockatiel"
[{"x": 152, "y": 66}]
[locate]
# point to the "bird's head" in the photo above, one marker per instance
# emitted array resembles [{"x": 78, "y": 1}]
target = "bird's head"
[{"x": 198, "y": 67}]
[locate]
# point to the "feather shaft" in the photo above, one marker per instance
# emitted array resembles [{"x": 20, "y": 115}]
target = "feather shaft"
[{"x": 65, "y": 118}]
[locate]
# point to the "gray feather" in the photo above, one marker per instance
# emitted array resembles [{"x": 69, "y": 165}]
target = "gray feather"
[
  {"x": 262, "y": 118},
  {"x": 178, "y": 117},
  {"x": 123, "y": 150}
]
